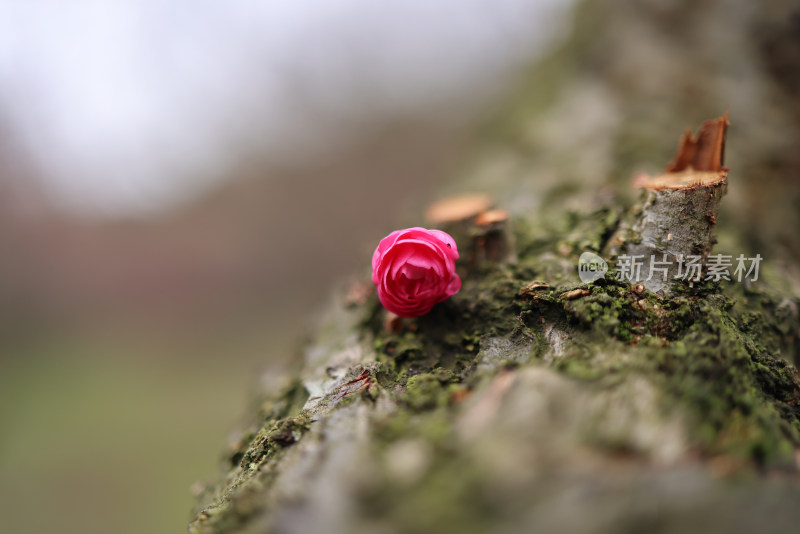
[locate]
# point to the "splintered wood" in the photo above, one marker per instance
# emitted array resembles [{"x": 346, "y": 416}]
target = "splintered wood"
[
  {"x": 698, "y": 161},
  {"x": 704, "y": 152}
]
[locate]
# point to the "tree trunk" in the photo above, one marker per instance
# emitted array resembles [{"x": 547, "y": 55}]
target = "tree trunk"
[{"x": 533, "y": 401}]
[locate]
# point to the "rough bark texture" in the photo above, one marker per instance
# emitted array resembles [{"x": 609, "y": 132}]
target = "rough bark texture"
[
  {"x": 563, "y": 406},
  {"x": 674, "y": 224}
]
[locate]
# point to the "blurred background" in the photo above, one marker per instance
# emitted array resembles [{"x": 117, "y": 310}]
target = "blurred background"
[{"x": 181, "y": 184}]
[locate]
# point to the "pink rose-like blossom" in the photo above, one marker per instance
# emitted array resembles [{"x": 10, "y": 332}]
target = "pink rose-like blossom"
[{"x": 414, "y": 269}]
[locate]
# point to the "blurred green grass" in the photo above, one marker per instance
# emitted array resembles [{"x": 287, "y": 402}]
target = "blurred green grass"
[{"x": 102, "y": 437}]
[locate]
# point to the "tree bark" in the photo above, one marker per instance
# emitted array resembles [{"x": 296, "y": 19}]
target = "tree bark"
[{"x": 532, "y": 401}]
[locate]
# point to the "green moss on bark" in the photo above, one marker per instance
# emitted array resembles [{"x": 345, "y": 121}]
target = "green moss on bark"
[{"x": 703, "y": 351}]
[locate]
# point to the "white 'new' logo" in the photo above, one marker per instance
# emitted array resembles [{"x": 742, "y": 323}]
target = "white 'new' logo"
[{"x": 591, "y": 267}]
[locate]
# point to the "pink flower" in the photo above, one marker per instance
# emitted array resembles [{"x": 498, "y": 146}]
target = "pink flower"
[{"x": 414, "y": 269}]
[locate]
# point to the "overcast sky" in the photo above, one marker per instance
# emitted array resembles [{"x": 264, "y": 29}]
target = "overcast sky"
[{"x": 126, "y": 104}]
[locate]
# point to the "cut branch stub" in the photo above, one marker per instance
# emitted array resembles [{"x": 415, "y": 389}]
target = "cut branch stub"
[
  {"x": 671, "y": 233},
  {"x": 481, "y": 233},
  {"x": 458, "y": 209},
  {"x": 492, "y": 237}
]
